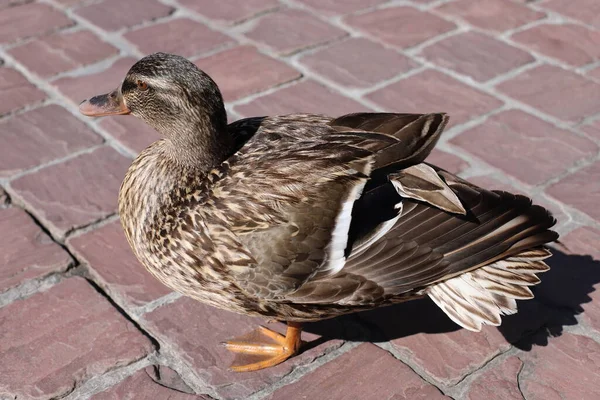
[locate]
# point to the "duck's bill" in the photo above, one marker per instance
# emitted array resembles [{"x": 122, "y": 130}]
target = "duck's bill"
[{"x": 105, "y": 104}]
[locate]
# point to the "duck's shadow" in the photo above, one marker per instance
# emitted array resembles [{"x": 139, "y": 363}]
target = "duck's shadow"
[{"x": 558, "y": 299}]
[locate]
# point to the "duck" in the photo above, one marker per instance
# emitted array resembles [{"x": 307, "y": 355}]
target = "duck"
[{"x": 305, "y": 217}]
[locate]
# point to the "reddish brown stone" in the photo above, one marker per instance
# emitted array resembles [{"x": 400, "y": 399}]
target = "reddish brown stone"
[
  {"x": 432, "y": 91},
  {"x": 62, "y": 52},
  {"x": 567, "y": 368},
  {"x": 447, "y": 161},
  {"x": 231, "y": 10},
  {"x": 113, "y": 15},
  {"x": 524, "y": 146},
  {"x": 340, "y": 7},
  {"x": 76, "y": 192},
  {"x": 580, "y": 190},
  {"x": 16, "y": 92},
  {"x": 40, "y": 136},
  {"x": 583, "y": 241},
  {"x": 130, "y": 131},
  {"x": 400, "y": 26},
  {"x": 242, "y": 71},
  {"x": 350, "y": 63},
  {"x": 121, "y": 273},
  {"x": 476, "y": 55},
  {"x": 56, "y": 340},
  {"x": 558, "y": 92},
  {"x": 27, "y": 252},
  {"x": 499, "y": 382},
  {"x": 587, "y": 11},
  {"x": 31, "y": 19},
  {"x": 366, "y": 372},
  {"x": 592, "y": 129},
  {"x": 194, "y": 332},
  {"x": 304, "y": 97},
  {"x": 168, "y": 37},
  {"x": 497, "y": 15},
  {"x": 288, "y": 31},
  {"x": 594, "y": 73}
]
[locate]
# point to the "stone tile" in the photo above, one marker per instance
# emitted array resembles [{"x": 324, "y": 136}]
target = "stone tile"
[
  {"x": 432, "y": 91},
  {"x": 121, "y": 273},
  {"x": 402, "y": 27},
  {"x": 340, "y": 7},
  {"x": 365, "y": 372},
  {"x": 4, "y": 199},
  {"x": 476, "y": 55},
  {"x": 561, "y": 93},
  {"x": 230, "y": 11},
  {"x": 567, "y": 368},
  {"x": 130, "y": 131},
  {"x": 288, "y": 31},
  {"x": 112, "y": 15},
  {"x": 56, "y": 340},
  {"x": 26, "y": 20},
  {"x": 16, "y": 92},
  {"x": 496, "y": 15},
  {"x": 497, "y": 383},
  {"x": 168, "y": 37},
  {"x": 242, "y": 71},
  {"x": 525, "y": 146},
  {"x": 594, "y": 73},
  {"x": 592, "y": 129},
  {"x": 142, "y": 385},
  {"x": 580, "y": 190},
  {"x": 303, "y": 97},
  {"x": 573, "y": 44},
  {"x": 350, "y": 63},
  {"x": 583, "y": 241},
  {"x": 587, "y": 11},
  {"x": 76, "y": 192},
  {"x": 194, "y": 332},
  {"x": 39, "y": 136},
  {"x": 447, "y": 161},
  {"x": 83, "y": 87},
  {"x": 62, "y": 52},
  {"x": 27, "y": 252}
]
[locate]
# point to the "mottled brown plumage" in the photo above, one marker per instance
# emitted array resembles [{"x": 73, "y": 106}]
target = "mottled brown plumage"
[{"x": 305, "y": 217}]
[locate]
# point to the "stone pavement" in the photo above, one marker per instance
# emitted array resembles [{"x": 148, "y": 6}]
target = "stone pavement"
[{"x": 80, "y": 318}]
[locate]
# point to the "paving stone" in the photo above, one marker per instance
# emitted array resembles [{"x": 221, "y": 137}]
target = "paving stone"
[
  {"x": 592, "y": 129},
  {"x": 39, "y": 136},
  {"x": 303, "y": 97},
  {"x": 4, "y": 199},
  {"x": 168, "y": 37},
  {"x": 350, "y": 63},
  {"x": 511, "y": 141},
  {"x": 62, "y": 52},
  {"x": 476, "y": 55},
  {"x": 288, "y": 31},
  {"x": 400, "y": 26},
  {"x": 574, "y": 44},
  {"x": 142, "y": 385},
  {"x": 498, "y": 383},
  {"x": 112, "y": 15},
  {"x": 27, "y": 252},
  {"x": 76, "y": 192},
  {"x": 340, "y": 7},
  {"x": 580, "y": 190},
  {"x": 432, "y": 91},
  {"x": 583, "y": 240},
  {"x": 496, "y": 15},
  {"x": 242, "y": 71},
  {"x": 121, "y": 273},
  {"x": 26, "y": 20},
  {"x": 194, "y": 332},
  {"x": 447, "y": 161},
  {"x": 230, "y": 11},
  {"x": 16, "y": 92},
  {"x": 56, "y": 340},
  {"x": 130, "y": 131},
  {"x": 567, "y": 368},
  {"x": 365, "y": 372},
  {"x": 587, "y": 11},
  {"x": 83, "y": 87},
  {"x": 558, "y": 92},
  {"x": 594, "y": 73}
]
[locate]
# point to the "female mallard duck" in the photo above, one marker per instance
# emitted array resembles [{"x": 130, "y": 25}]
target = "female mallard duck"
[{"x": 305, "y": 217}]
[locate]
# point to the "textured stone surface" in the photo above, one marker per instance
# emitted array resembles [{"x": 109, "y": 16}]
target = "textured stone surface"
[
  {"x": 132, "y": 132},
  {"x": 16, "y": 92},
  {"x": 56, "y": 340},
  {"x": 498, "y": 383},
  {"x": 447, "y": 161},
  {"x": 76, "y": 192},
  {"x": 113, "y": 15},
  {"x": 121, "y": 273},
  {"x": 26, "y": 20},
  {"x": 27, "y": 253},
  {"x": 340, "y": 7},
  {"x": 39, "y": 136},
  {"x": 587, "y": 11},
  {"x": 230, "y": 11},
  {"x": 586, "y": 181}
]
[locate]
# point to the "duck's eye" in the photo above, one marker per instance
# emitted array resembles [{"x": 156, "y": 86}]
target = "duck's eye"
[{"x": 141, "y": 85}]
